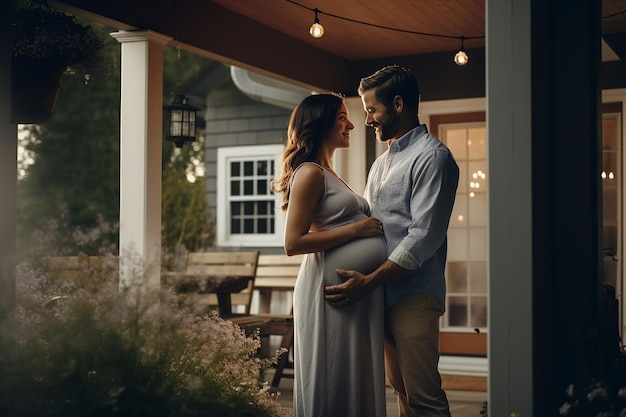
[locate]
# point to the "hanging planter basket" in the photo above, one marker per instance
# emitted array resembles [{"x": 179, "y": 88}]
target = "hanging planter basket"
[
  {"x": 36, "y": 83},
  {"x": 45, "y": 43}
]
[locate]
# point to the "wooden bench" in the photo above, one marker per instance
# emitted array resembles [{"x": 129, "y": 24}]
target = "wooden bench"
[
  {"x": 275, "y": 273},
  {"x": 198, "y": 285},
  {"x": 83, "y": 271},
  {"x": 271, "y": 273}
]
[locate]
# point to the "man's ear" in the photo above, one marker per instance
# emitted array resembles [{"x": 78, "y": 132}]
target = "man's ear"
[{"x": 398, "y": 104}]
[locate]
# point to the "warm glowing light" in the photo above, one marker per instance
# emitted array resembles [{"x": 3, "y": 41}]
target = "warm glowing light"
[
  {"x": 461, "y": 58},
  {"x": 317, "y": 30},
  {"x": 460, "y": 218},
  {"x": 610, "y": 175}
]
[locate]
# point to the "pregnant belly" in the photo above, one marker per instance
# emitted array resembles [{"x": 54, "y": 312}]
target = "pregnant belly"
[{"x": 363, "y": 255}]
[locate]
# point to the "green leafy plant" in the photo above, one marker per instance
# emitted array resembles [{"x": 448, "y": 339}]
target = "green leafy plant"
[
  {"x": 42, "y": 32},
  {"x": 73, "y": 351}
]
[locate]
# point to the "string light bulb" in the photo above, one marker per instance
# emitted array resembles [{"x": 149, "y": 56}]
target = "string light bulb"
[
  {"x": 317, "y": 30},
  {"x": 461, "y": 57}
]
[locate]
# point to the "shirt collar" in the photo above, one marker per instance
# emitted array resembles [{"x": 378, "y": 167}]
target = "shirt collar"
[{"x": 408, "y": 138}]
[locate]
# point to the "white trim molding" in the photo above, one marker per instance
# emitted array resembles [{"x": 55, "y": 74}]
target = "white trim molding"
[{"x": 463, "y": 365}]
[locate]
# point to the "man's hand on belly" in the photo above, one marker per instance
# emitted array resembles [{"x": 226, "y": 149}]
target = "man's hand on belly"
[{"x": 356, "y": 287}]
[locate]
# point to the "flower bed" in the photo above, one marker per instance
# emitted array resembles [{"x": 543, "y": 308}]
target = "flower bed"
[{"x": 131, "y": 352}]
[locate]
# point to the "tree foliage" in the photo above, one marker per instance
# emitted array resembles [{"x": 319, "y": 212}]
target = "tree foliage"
[{"x": 72, "y": 187}]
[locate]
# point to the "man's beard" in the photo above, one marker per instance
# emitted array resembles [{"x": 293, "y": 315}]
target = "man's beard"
[{"x": 388, "y": 129}]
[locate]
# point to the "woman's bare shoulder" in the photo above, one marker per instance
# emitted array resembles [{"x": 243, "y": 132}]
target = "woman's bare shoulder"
[{"x": 309, "y": 171}]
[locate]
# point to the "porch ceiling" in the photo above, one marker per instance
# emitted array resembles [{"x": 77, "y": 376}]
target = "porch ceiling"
[{"x": 271, "y": 36}]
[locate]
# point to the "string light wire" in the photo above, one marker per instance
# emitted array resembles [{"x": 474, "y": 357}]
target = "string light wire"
[{"x": 318, "y": 11}]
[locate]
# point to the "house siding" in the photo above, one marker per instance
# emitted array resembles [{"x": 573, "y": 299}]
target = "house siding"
[{"x": 234, "y": 119}]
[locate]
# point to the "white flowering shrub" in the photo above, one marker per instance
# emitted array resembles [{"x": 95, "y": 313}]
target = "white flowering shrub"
[{"x": 130, "y": 352}]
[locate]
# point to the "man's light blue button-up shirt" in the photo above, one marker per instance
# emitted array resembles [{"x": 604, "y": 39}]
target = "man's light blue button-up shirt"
[{"x": 411, "y": 188}]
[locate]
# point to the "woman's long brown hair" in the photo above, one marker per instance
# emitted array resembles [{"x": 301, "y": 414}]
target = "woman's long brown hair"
[{"x": 309, "y": 123}]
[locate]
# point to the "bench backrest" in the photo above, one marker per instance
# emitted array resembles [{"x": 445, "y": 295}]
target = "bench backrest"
[
  {"x": 277, "y": 272},
  {"x": 88, "y": 272},
  {"x": 239, "y": 263}
]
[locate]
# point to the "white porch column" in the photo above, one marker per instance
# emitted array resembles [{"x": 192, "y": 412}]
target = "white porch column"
[
  {"x": 510, "y": 193},
  {"x": 140, "y": 155}
]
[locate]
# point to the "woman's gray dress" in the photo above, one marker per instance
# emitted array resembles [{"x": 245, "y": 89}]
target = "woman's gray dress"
[{"x": 338, "y": 351}]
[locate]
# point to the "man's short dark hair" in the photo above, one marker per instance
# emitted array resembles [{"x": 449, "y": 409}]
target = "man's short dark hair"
[{"x": 392, "y": 81}]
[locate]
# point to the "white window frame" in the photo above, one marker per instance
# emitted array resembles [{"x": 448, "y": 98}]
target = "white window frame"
[{"x": 224, "y": 156}]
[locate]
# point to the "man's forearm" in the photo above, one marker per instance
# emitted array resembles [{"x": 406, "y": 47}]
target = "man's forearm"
[{"x": 386, "y": 271}]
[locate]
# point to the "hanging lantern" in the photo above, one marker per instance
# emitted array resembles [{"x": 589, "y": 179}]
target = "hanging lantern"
[{"x": 180, "y": 121}]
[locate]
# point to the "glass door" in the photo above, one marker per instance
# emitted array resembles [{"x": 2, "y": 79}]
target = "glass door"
[{"x": 464, "y": 325}]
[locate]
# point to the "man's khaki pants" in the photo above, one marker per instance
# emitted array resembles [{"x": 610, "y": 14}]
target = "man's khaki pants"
[{"x": 412, "y": 356}]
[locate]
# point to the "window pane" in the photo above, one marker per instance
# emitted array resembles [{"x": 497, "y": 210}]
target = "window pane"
[
  {"x": 263, "y": 207},
  {"x": 478, "y": 312},
  {"x": 235, "y": 188},
  {"x": 456, "y": 141},
  {"x": 235, "y": 209},
  {"x": 609, "y": 168},
  {"x": 261, "y": 168},
  {"x": 261, "y": 186},
  {"x": 477, "y": 177},
  {"x": 457, "y": 277},
  {"x": 262, "y": 226},
  {"x": 478, "y": 210},
  {"x": 248, "y": 187},
  {"x": 609, "y": 237},
  {"x": 459, "y": 211},
  {"x": 248, "y": 168},
  {"x": 457, "y": 311},
  {"x": 235, "y": 169},
  {"x": 478, "y": 277},
  {"x": 477, "y": 143},
  {"x": 609, "y": 204},
  {"x": 249, "y": 208},
  {"x": 235, "y": 227},
  {"x": 610, "y": 132},
  {"x": 478, "y": 244},
  {"x": 248, "y": 226},
  {"x": 457, "y": 245}
]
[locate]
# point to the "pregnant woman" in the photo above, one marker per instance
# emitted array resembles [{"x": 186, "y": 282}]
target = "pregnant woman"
[{"x": 338, "y": 352}]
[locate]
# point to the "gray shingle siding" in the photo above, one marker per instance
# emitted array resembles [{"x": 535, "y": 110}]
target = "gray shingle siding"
[{"x": 234, "y": 119}]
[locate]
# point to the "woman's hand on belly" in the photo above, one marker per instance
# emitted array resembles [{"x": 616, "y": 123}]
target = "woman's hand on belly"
[{"x": 367, "y": 226}]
